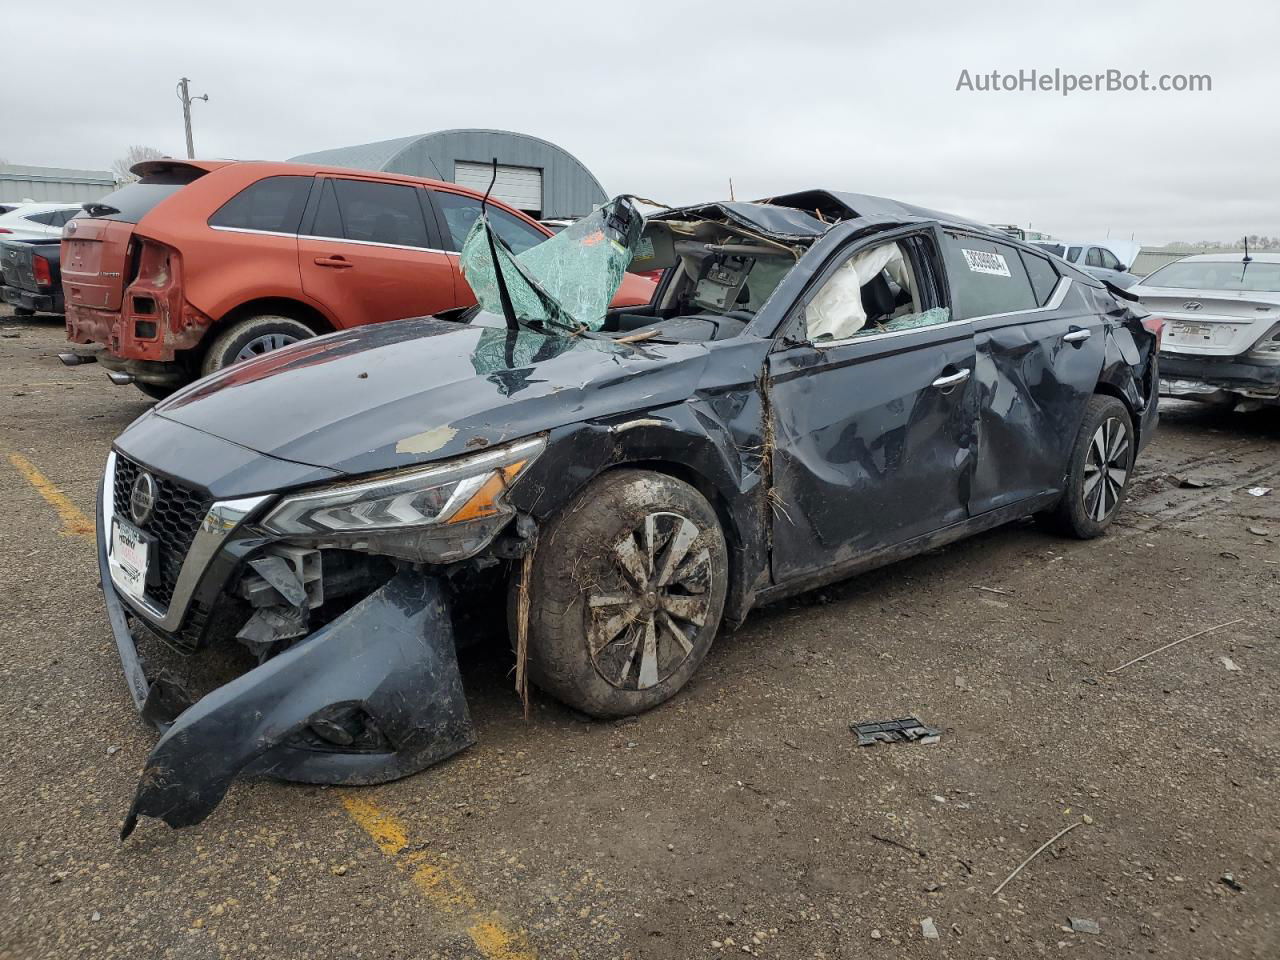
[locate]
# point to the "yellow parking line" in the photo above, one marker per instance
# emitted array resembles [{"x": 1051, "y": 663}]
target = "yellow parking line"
[
  {"x": 438, "y": 882},
  {"x": 435, "y": 879},
  {"x": 74, "y": 522}
]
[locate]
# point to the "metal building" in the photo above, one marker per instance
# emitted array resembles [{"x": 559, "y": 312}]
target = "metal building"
[
  {"x": 535, "y": 176},
  {"x": 53, "y": 184}
]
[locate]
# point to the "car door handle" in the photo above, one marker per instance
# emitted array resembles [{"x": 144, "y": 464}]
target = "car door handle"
[
  {"x": 338, "y": 263},
  {"x": 952, "y": 379},
  {"x": 1077, "y": 336}
]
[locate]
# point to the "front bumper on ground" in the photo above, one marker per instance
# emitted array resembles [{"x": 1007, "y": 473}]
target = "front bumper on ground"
[
  {"x": 1182, "y": 375},
  {"x": 391, "y": 656},
  {"x": 41, "y": 302}
]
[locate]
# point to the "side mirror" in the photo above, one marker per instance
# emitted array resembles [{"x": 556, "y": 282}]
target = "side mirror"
[{"x": 1122, "y": 267}]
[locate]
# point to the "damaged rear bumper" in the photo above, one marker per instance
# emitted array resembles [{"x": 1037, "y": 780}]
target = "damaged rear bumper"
[
  {"x": 1208, "y": 378},
  {"x": 386, "y": 670}
]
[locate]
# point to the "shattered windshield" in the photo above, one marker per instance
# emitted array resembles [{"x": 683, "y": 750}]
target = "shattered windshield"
[{"x": 565, "y": 282}]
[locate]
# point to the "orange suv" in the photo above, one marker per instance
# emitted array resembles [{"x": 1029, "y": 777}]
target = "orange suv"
[{"x": 200, "y": 264}]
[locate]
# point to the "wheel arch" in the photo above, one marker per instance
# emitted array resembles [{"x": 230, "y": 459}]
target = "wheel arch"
[
  {"x": 694, "y": 478},
  {"x": 1106, "y": 389},
  {"x": 674, "y": 441},
  {"x": 304, "y": 313}
]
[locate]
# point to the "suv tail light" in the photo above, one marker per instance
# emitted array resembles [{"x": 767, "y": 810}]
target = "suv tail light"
[
  {"x": 5, "y": 230},
  {"x": 40, "y": 272},
  {"x": 1155, "y": 327}
]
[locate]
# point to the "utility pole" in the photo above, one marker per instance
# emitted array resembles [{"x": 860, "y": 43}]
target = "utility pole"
[{"x": 184, "y": 94}]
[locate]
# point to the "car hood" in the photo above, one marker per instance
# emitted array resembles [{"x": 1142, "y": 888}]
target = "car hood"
[{"x": 413, "y": 391}]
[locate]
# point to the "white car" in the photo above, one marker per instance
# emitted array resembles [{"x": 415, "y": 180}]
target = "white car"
[
  {"x": 35, "y": 221},
  {"x": 1222, "y": 327},
  {"x": 1104, "y": 259}
]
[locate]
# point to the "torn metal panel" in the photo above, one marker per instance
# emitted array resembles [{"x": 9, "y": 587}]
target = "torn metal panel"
[
  {"x": 777, "y": 222},
  {"x": 389, "y": 661},
  {"x": 809, "y": 214}
]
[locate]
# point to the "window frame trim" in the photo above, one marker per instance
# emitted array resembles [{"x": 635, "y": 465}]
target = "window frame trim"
[{"x": 1054, "y": 303}]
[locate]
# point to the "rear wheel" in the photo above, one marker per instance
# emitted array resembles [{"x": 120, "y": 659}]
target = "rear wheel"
[
  {"x": 157, "y": 391},
  {"x": 626, "y": 592},
  {"x": 1099, "y": 470},
  {"x": 252, "y": 337}
]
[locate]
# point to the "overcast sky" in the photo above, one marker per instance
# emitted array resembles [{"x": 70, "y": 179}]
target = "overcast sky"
[{"x": 671, "y": 100}]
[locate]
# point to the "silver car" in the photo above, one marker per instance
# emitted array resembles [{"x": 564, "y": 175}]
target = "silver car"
[
  {"x": 35, "y": 221},
  {"x": 1222, "y": 327},
  {"x": 1105, "y": 260}
]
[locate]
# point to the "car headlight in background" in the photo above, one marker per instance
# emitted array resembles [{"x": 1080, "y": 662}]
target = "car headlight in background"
[{"x": 436, "y": 514}]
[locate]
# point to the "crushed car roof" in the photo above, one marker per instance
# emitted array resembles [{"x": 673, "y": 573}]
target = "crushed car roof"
[{"x": 809, "y": 214}]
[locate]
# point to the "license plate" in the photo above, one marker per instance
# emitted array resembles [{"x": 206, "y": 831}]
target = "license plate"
[
  {"x": 129, "y": 558},
  {"x": 1203, "y": 334},
  {"x": 1193, "y": 331}
]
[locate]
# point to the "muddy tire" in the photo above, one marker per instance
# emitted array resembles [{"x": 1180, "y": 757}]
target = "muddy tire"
[
  {"x": 627, "y": 587},
  {"x": 157, "y": 391},
  {"x": 250, "y": 337},
  {"x": 1098, "y": 472}
]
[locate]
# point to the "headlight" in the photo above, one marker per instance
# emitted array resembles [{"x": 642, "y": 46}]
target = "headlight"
[{"x": 436, "y": 514}]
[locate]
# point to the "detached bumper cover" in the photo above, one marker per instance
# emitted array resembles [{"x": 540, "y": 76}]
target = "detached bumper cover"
[
  {"x": 1184, "y": 375},
  {"x": 391, "y": 655}
]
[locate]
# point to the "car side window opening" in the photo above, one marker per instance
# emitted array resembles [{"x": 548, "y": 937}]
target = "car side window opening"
[
  {"x": 461, "y": 212},
  {"x": 273, "y": 205},
  {"x": 1043, "y": 276},
  {"x": 1109, "y": 259},
  {"x": 876, "y": 290},
  {"x": 370, "y": 212},
  {"x": 1093, "y": 258},
  {"x": 1073, "y": 255},
  {"x": 987, "y": 277}
]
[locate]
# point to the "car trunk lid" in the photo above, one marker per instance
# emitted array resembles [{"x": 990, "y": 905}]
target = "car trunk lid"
[
  {"x": 95, "y": 262},
  {"x": 1212, "y": 323}
]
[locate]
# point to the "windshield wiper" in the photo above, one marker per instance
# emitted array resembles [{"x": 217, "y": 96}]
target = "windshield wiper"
[{"x": 504, "y": 295}]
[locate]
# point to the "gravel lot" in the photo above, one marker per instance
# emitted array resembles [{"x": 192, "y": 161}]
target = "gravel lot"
[{"x": 739, "y": 818}]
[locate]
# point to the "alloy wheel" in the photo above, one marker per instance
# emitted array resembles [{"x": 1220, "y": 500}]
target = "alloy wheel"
[
  {"x": 264, "y": 344},
  {"x": 644, "y": 622},
  {"x": 1106, "y": 467}
]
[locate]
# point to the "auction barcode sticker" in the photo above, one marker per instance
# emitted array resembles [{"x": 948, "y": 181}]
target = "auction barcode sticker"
[{"x": 980, "y": 261}]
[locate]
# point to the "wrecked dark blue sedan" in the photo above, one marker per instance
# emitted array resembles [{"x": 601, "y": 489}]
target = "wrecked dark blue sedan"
[{"x": 824, "y": 383}]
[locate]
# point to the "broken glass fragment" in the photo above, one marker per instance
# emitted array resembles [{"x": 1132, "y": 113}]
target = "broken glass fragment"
[{"x": 565, "y": 282}]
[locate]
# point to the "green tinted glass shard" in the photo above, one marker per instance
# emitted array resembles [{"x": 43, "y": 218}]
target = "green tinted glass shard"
[{"x": 568, "y": 280}]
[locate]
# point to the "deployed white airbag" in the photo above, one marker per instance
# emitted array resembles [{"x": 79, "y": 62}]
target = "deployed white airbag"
[{"x": 837, "y": 311}]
